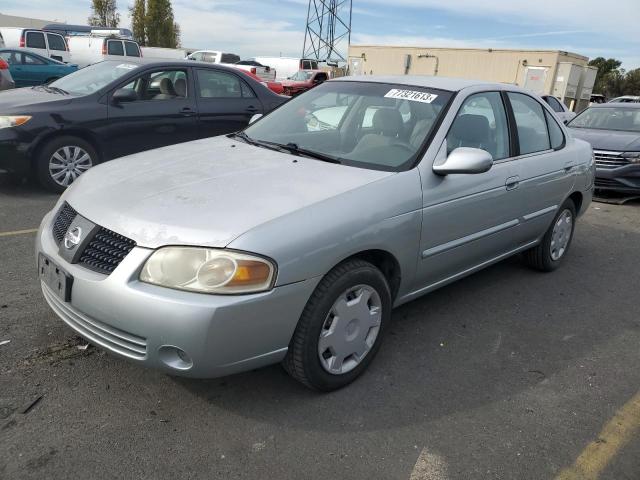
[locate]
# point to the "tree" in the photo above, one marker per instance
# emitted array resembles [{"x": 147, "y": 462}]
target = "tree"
[
  {"x": 138, "y": 21},
  {"x": 104, "y": 13},
  {"x": 632, "y": 82},
  {"x": 608, "y": 73},
  {"x": 160, "y": 26}
]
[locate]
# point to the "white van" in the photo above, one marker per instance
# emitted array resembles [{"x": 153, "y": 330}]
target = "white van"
[
  {"x": 47, "y": 44},
  {"x": 95, "y": 48},
  {"x": 164, "y": 53},
  {"x": 286, "y": 67}
]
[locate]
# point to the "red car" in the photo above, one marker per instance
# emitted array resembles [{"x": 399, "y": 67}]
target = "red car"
[
  {"x": 303, "y": 80},
  {"x": 275, "y": 87}
]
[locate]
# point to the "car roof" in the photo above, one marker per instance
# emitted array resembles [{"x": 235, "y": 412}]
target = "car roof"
[
  {"x": 440, "y": 83},
  {"x": 631, "y": 105}
]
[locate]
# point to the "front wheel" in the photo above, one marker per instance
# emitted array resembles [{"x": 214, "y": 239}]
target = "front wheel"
[
  {"x": 62, "y": 160},
  {"x": 551, "y": 251},
  {"x": 341, "y": 327}
]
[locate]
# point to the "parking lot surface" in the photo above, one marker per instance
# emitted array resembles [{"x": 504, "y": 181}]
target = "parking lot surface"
[{"x": 507, "y": 374}]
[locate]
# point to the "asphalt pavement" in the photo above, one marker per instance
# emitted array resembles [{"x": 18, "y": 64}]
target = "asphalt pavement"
[{"x": 507, "y": 374}]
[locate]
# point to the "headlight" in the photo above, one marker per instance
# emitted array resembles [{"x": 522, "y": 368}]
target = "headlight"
[
  {"x": 208, "y": 270},
  {"x": 633, "y": 157},
  {"x": 13, "y": 121}
]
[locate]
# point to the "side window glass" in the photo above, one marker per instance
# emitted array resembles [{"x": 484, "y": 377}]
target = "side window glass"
[
  {"x": 31, "y": 60},
  {"x": 36, "y": 40},
  {"x": 530, "y": 122},
  {"x": 217, "y": 84},
  {"x": 163, "y": 85},
  {"x": 12, "y": 58},
  {"x": 132, "y": 49},
  {"x": 114, "y": 47},
  {"x": 481, "y": 123},
  {"x": 555, "y": 132},
  {"x": 56, "y": 42},
  {"x": 246, "y": 90}
]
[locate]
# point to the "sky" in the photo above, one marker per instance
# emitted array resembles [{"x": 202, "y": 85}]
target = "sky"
[{"x": 276, "y": 27}]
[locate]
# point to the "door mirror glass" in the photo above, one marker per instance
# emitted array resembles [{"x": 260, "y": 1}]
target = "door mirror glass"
[
  {"x": 124, "y": 95},
  {"x": 255, "y": 118},
  {"x": 465, "y": 160}
]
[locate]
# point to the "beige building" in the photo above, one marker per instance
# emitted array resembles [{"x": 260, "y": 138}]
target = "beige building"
[
  {"x": 24, "y": 22},
  {"x": 546, "y": 72}
]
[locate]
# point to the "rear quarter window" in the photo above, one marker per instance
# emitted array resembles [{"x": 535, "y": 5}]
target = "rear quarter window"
[
  {"x": 36, "y": 40},
  {"x": 56, "y": 42},
  {"x": 114, "y": 47},
  {"x": 132, "y": 49}
]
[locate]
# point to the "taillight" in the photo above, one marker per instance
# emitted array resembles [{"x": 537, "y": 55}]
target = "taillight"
[
  {"x": 22, "y": 40},
  {"x": 104, "y": 47},
  {"x": 253, "y": 70},
  {"x": 3, "y": 65}
]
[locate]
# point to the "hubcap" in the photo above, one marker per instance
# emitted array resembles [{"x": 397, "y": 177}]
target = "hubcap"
[
  {"x": 561, "y": 234},
  {"x": 68, "y": 163},
  {"x": 350, "y": 329}
]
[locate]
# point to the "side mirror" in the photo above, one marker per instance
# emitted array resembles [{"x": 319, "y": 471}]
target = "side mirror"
[
  {"x": 465, "y": 160},
  {"x": 255, "y": 118},
  {"x": 124, "y": 95}
]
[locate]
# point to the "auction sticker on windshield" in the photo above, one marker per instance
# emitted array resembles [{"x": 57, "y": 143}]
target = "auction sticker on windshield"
[{"x": 411, "y": 95}]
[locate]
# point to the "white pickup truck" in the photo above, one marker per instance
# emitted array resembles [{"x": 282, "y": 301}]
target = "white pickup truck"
[{"x": 265, "y": 73}]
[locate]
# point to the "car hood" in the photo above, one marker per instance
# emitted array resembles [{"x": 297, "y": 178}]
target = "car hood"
[
  {"x": 207, "y": 192},
  {"x": 609, "y": 139},
  {"x": 17, "y": 99}
]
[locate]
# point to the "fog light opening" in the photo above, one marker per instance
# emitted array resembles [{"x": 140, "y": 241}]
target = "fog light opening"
[{"x": 175, "y": 357}]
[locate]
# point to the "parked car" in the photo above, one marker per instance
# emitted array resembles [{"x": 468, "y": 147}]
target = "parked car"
[
  {"x": 263, "y": 72},
  {"x": 613, "y": 130},
  {"x": 28, "y": 69},
  {"x": 275, "y": 87},
  {"x": 286, "y": 67},
  {"x": 302, "y": 81},
  {"x": 47, "y": 44},
  {"x": 96, "y": 48},
  {"x": 559, "y": 108},
  {"x": 114, "y": 108},
  {"x": 67, "y": 30},
  {"x": 214, "y": 56},
  {"x": 596, "y": 98},
  {"x": 625, "y": 99},
  {"x": 6, "y": 80},
  {"x": 284, "y": 244}
]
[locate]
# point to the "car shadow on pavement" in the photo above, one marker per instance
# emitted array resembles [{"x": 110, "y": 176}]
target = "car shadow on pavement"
[{"x": 487, "y": 337}]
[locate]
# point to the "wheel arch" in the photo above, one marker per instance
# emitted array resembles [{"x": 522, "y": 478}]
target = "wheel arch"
[
  {"x": 385, "y": 261},
  {"x": 85, "y": 135},
  {"x": 577, "y": 198}
]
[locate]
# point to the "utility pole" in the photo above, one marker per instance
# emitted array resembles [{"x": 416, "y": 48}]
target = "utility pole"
[{"x": 328, "y": 32}]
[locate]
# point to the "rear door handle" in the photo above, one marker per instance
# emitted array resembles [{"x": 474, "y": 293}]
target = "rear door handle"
[
  {"x": 512, "y": 183},
  {"x": 187, "y": 112},
  {"x": 569, "y": 166},
  {"x": 252, "y": 109}
]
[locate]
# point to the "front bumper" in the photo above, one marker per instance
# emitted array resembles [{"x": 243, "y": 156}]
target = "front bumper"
[
  {"x": 625, "y": 179},
  {"x": 14, "y": 155},
  {"x": 147, "y": 324}
]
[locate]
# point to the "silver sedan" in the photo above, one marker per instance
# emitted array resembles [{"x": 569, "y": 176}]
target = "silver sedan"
[{"x": 293, "y": 240}]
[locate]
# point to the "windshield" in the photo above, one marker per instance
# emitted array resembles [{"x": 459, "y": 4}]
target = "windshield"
[
  {"x": 301, "y": 76},
  {"x": 609, "y": 118},
  {"x": 92, "y": 78},
  {"x": 370, "y": 125}
]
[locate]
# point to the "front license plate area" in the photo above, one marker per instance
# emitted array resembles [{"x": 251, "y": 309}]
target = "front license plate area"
[{"x": 55, "y": 278}]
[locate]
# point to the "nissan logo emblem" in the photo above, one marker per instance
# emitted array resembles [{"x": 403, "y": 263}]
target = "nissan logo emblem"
[{"x": 72, "y": 238}]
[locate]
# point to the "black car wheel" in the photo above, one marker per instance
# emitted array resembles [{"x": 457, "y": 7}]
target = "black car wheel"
[{"x": 62, "y": 160}]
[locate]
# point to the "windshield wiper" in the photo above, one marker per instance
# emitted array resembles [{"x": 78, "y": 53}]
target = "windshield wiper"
[
  {"x": 294, "y": 149},
  {"x": 56, "y": 89},
  {"x": 247, "y": 139}
]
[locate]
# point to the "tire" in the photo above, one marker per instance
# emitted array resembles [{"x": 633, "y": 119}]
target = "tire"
[
  {"x": 358, "y": 280},
  {"x": 57, "y": 146},
  {"x": 541, "y": 256}
]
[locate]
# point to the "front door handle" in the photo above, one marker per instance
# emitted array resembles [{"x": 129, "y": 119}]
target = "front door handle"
[
  {"x": 512, "y": 183},
  {"x": 569, "y": 166}
]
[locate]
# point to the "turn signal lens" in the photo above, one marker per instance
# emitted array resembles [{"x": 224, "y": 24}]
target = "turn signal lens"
[
  {"x": 13, "y": 121},
  {"x": 208, "y": 270}
]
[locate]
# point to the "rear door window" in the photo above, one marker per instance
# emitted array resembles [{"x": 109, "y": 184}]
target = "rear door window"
[
  {"x": 114, "y": 47},
  {"x": 56, "y": 42},
  {"x": 555, "y": 132},
  {"x": 36, "y": 40},
  {"x": 31, "y": 60},
  {"x": 533, "y": 135},
  {"x": 12, "y": 58},
  {"x": 554, "y": 104},
  {"x": 132, "y": 49},
  {"x": 217, "y": 84}
]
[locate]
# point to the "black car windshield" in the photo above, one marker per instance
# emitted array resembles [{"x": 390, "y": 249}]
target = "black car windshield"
[
  {"x": 94, "y": 77},
  {"x": 609, "y": 118},
  {"x": 372, "y": 125}
]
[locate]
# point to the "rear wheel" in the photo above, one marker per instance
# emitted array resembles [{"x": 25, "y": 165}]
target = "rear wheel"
[
  {"x": 62, "y": 160},
  {"x": 341, "y": 327},
  {"x": 551, "y": 251}
]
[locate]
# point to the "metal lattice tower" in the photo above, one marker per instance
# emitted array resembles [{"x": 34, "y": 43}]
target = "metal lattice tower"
[{"x": 328, "y": 31}]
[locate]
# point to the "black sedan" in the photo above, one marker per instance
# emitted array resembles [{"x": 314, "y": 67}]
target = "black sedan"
[
  {"x": 613, "y": 130},
  {"x": 116, "y": 108}
]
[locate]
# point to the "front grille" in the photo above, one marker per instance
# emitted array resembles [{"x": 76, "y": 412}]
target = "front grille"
[
  {"x": 609, "y": 160},
  {"x": 109, "y": 337},
  {"x": 105, "y": 251},
  {"x": 63, "y": 220}
]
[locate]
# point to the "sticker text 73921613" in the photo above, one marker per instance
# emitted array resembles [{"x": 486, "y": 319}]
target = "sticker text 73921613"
[{"x": 411, "y": 95}]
